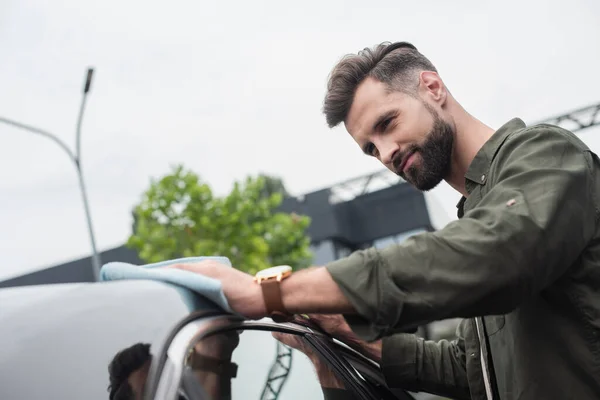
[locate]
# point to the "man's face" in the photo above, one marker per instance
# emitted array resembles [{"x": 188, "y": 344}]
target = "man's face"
[{"x": 405, "y": 133}]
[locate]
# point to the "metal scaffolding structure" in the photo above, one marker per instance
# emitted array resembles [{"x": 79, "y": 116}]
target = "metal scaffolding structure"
[
  {"x": 577, "y": 120},
  {"x": 278, "y": 373},
  {"x": 352, "y": 188}
]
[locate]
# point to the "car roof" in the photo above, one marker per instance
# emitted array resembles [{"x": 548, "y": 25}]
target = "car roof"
[{"x": 58, "y": 340}]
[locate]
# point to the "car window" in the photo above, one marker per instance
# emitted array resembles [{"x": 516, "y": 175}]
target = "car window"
[{"x": 251, "y": 364}]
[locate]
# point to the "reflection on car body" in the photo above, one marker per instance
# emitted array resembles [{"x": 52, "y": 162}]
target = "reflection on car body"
[{"x": 141, "y": 340}]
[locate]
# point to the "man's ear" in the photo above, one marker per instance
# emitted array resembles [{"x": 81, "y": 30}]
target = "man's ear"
[{"x": 432, "y": 87}]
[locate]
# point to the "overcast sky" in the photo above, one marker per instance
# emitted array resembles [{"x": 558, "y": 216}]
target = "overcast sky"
[{"x": 230, "y": 89}]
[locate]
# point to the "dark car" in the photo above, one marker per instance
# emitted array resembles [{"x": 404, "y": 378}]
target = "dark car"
[{"x": 58, "y": 341}]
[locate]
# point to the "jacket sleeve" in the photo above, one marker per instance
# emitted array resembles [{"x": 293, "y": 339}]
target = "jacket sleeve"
[
  {"x": 415, "y": 364},
  {"x": 522, "y": 235}
]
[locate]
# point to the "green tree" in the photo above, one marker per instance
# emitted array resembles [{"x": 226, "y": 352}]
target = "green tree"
[
  {"x": 178, "y": 216},
  {"x": 272, "y": 185}
]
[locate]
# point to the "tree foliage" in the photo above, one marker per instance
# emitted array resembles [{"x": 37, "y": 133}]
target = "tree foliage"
[{"x": 179, "y": 216}]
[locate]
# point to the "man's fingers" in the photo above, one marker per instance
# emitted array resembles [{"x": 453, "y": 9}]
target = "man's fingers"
[
  {"x": 187, "y": 267},
  {"x": 327, "y": 321},
  {"x": 333, "y": 324},
  {"x": 284, "y": 338},
  {"x": 293, "y": 341},
  {"x": 204, "y": 267}
]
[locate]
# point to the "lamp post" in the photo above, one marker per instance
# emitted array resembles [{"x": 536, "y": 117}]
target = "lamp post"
[{"x": 75, "y": 158}]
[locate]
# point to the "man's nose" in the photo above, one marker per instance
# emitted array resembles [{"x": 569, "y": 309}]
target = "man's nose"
[{"x": 387, "y": 151}]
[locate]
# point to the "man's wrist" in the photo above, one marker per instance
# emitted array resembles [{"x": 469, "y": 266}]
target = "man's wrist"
[
  {"x": 373, "y": 351},
  {"x": 289, "y": 295},
  {"x": 313, "y": 291},
  {"x": 268, "y": 283},
  {"x": 367, "y": 349}
]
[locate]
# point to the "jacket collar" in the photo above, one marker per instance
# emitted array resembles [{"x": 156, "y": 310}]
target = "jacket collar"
[{"x": 477, "y": 174}]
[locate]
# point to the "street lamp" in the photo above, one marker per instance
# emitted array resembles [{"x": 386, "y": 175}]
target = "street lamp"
[{"x": 76, "y": 159}]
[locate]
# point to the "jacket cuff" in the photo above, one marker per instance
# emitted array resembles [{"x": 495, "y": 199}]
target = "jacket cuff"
[{"x": 399, "y": 360}]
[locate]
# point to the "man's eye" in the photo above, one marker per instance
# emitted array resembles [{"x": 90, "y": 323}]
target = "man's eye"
[
  {"x": 371, "y": 150},
  {"x": 385, "y": 124}
]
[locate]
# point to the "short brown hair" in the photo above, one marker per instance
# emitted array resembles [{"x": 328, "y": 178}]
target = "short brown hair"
[{"x": 390, "y": 63}]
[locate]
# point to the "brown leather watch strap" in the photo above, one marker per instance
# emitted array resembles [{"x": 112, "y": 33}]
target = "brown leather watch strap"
[{"x": 271, "y": 291}]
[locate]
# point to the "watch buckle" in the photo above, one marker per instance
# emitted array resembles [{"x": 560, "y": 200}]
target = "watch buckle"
[{"x": 278, "y": 277}]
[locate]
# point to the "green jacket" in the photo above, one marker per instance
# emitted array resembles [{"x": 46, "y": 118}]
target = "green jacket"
[{"x": 524, "y": 255}]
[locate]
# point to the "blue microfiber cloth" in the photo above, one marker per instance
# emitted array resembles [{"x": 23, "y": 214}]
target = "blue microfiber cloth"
[{"x": 192, "y": 287}]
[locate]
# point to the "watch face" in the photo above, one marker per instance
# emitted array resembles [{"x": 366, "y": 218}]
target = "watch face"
[{"x": 273, "y": 271}]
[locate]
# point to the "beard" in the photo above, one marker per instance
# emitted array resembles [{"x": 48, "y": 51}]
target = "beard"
[{"x": 436, "y": 155}]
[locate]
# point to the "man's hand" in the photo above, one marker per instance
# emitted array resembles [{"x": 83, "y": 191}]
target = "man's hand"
[
  {"x": 242, "y": 293},
  {"x": 336, "y": 326},
  {"x": 327, "y": 378}
]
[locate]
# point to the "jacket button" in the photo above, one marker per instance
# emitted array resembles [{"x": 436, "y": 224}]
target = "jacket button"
[{"x": 482, "y": 178}]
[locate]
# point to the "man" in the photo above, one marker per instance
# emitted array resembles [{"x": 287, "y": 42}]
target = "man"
[{"x": 521, "y": 264}]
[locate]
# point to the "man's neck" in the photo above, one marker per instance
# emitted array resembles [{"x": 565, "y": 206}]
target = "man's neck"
[{"x": 471, "y": 135}]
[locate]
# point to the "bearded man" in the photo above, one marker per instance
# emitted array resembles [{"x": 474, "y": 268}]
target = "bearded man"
[{"x": 521, "y": 264}]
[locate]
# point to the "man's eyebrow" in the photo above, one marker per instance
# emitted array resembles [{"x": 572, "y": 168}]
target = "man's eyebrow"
[{"x": 383, "y": 117}]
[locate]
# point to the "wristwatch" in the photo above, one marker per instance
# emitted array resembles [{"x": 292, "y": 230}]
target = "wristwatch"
[{"x": 270, "y": 280}]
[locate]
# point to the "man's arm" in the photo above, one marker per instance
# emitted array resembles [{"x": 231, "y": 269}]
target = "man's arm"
[
  {"x": 410, "y": 363},
  {"x": 314, "y": 291},
  {"x": 523, "y": 235}
]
